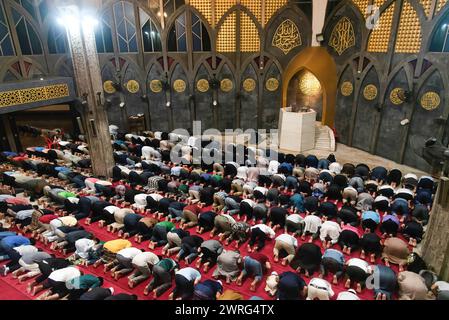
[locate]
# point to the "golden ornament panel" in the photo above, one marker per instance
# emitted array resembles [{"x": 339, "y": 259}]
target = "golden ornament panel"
[
  {"x": 202, "y": 85},
  {"x": 132, "y": 86},
  {"x": 346, "y": 88},
  {"x": 430, "y": 100},
  {"x": 226, "y": 85},
  {"x": 394, "y": 97},
  {"x": 342, "y": 36},
  {"x": 272, "y": 84},
  {"x": 156, "y": 86},
  {"x": 287, "y": 36},
  {"x": 30, "y": 95},
  {"x": 108, "y": 87},
  {"x": 249, "y": 85},
  {"x": 179, "y": 85},
  {"x": 309, "y": 85},
  {"x": 370, "y": 92}
]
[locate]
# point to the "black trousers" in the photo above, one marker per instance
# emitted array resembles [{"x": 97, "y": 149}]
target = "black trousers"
[{"x": 258, "y": 236}]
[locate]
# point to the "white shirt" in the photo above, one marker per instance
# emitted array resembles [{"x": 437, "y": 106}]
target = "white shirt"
[
  {"x": 156, "y": 196},
  {"x": 312, "y": 223},
  {"x": 142, "y": 259},
  {"x": 335, "y": 167},
  {"x": 330, "y": 229},
  {"x": 141, "y": 199},
  {"x": 129, "y": 253},
  {"x": 242, "y": 172},
  {"x": 322, "y": 284},
  {"x": 83, "y": 246},
  {"x": 287, "y": 239},
  {"x": 347, "y": 295},
  {"x": 262, "y": 190},
  {"x": 295, "y": 218},
  {"x": 26, "y": 249},
  {"x": 356, "y": 262},
  {"x": 64, "y": 274},
  {"x": 111, "y": 209},
  {"x": 273, "y": 166},
  {"x": 266, "y": 229}
]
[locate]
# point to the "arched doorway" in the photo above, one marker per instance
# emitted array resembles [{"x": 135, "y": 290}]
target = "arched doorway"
[{"x": 312, "y": 62}]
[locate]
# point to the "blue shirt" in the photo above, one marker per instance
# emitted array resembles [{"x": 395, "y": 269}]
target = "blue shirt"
[
  {"x": 297, "y": 200},
  {"x": 335, "y": 255},
  {"x": 14, "y": 241},
  {"x": 371, "y": 215},
  {"x": 63, "y": 169}
]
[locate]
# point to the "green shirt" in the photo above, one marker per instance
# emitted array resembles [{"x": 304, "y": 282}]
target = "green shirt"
[
  {"x": 167, "y": 264},
  {"x": 66, "y": 194},
  {"x": 167, "y": 224},
  {"x": 86, "y": 281}
]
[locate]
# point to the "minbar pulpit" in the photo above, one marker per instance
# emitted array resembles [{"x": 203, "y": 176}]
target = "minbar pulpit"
[{"x": 296, "y": 130}]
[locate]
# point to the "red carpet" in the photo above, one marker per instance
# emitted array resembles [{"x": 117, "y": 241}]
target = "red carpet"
[{"x": 11, "y": 289}]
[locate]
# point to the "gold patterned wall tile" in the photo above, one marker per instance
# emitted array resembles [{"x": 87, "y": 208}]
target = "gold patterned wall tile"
[
  {"x": 362, "y": 5},
  {"x": 370, "y": 92},
  {"x": 132, "y": 86},
  {"x": 204, "y": 7},
  {"x": 380, "y": 35},
  {"x": 342, "y": 36},
  {"x": 202, "y": 85},
  {"x": 346, "y": 88},
  {"x": 409, "y": 36},
  {"x": 179, "y": 85},
  {"x": 394, "y": 96},
  {"x": 272, "y": 84},
  {"x": 226, "y": 85},
  {"x": 221, "y": 7},
  {"x": 249, "y": 85},
  {"x": 427, "y": 6},
  {"x": 249, "y": 35},
  {"x": 255, "y": 6},
  {"x": 441, "y": 4},
  {"x": 271, "y": 6},
  {"x": 108, "y": 87},
  {"x": 430, "y": 100},
  {"x": 309, "y": 85},
  {"x": 156, "y": 86},
  {"x": 287, "y": 36},
  {"x": 31, "y": 95},
  {"x": 226, "y": 35}
]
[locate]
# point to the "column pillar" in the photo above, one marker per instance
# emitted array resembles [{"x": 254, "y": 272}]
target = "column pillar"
[{"x": 81, "y": 38}]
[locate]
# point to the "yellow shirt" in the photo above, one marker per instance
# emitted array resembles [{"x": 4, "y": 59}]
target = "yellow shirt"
[
  {"x": 230, "y": 295},
  {"x": 115, "y": 246}
]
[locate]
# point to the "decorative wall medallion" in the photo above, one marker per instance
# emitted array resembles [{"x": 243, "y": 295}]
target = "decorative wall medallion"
[
  {"x": 430, "y": 100},
  {"x": 179, "y": 85},
  {"x": 108, "y": 87},
  {"x": 346, "y": 88},
  {"x": 132, "y": 86},
  {"x": 342, "y": 36},
  {"x": 249, "y": 84},
  {"x": 309, "y": 85},
  {"x": 272, "y": 84},
  {"x": 370, "y": 92},
  {"x": 202, "y": 85},
  {"x": 156, "y": 86},
  {"x": 226, "y": 85},
  {"x": 394, "y": 98},
  {"x": 30, "y": 95},
  {"x": 287, "y": 36}
]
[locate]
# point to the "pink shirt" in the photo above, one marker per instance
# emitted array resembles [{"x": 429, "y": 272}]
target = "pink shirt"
[{"x": 353, "y": 229}]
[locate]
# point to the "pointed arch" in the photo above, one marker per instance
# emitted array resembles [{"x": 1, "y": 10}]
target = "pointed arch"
[{"x": 29, "y": 40}]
